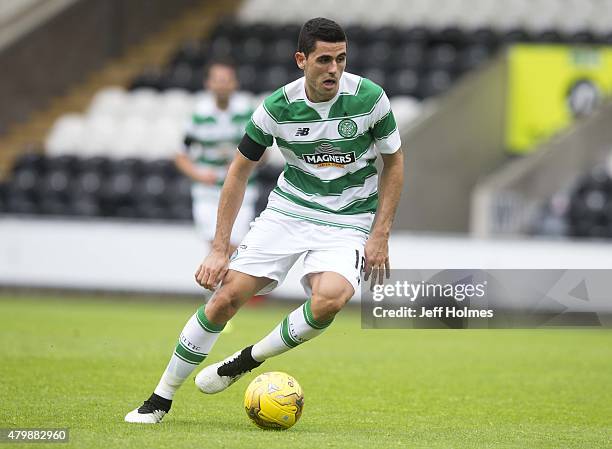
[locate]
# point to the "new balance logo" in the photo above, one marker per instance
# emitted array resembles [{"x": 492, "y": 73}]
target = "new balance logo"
[{"x": 302, "y": 131}]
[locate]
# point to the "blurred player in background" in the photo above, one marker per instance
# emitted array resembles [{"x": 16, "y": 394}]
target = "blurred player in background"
[
  {"x": 215, "y": 129},
  {"x": 328, "y": 206}
]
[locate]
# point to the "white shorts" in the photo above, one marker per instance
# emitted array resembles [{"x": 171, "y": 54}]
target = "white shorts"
[
  {"x": 205, "y": 203},
  {"x": 276, "y": 241}
]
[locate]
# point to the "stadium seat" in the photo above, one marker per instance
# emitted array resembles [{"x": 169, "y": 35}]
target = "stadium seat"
[
  {"x": 247, "y": 77},
  {"x": 130, "y": 138},
  {"x": 163, "y": 138},
  {"x": 377, "y": 53},
  {"x": 404, "y": 82},
  {"x": 192, "y": 52},
  {"x": 101, "y": 132},
  {"x": 221, "y": 47},
  {"x": 590, "y": 205},
  {"x": 88, "y": 183},
  {"x": 184, "y": 76},
  {"x": 472, "y": 56},
  {"x": 405, "y": 108},
  {"x": 151, "y": 77},
  {"x": 434, "y": 83},
  {"x": 262, "y": 47},
  {"x": 483, "y": 36},
  {"x": 442, "y": 57},
  {"x": 26, "y": 181},
  {"x": 108, "y": 101},
  {"x": 32, "y": 161},
  {"x": 375, "y": 74},
  {"x": 24, "y": 187},
  {"x": 549, "y": 36},
  {"x": 410, "y": 55},
  {"x": 175, "y": 103},
  {"x": 84, "y": 206},
  {"x": 67, "y": 135},
  {"x": 19, "y": 201},
  {"x": 414, "y": 48},
  {"x": 271, "y": 78},
  {"x": 143, "y": 102},
  {"x": 280, "y": 50}
]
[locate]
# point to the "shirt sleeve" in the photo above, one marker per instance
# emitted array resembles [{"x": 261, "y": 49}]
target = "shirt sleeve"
[
  {"x": 189, "y": 135},
  {"x": 261, "y": 127},
  {"x": 384, "y": 129}
]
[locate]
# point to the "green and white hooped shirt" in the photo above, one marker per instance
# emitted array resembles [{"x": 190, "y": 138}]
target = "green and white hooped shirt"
[
  {"x": 330, "y": 149},
  {"x": 212, "y": 135}
]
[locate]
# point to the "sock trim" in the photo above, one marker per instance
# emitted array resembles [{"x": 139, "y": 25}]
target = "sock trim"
[
  {"x": 185, "y": 360},
  {"x": 207, "y": 325},
  {"x": 286, "y": 336},
  {"x": 188, "y": 355},
  {"x": 306, "y": 308}
]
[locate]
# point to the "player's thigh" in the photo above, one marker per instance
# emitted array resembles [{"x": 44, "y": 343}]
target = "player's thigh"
[
  {"x": 269, "y": 249},
  {"x": 205, "y": 217},
  {"x": 344, "y": 258}
]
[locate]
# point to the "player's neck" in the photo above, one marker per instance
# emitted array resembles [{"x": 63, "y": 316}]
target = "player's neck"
[
  {"x": 222, "y": 103},
  {"x": 313, "y": 97}
]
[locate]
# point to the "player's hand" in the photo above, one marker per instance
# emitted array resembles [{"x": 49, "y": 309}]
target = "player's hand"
[
  {"x": 377, "y": 259},
  {"x": 212, "y": 270},
  {"x": 208, "y": 177}
]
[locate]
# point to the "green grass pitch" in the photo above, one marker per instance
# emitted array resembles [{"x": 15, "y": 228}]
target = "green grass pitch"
[{"x": 84, "y": 363}]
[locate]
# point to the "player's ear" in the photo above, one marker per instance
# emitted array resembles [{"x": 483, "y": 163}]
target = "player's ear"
[{"x": 300, "y": 59}]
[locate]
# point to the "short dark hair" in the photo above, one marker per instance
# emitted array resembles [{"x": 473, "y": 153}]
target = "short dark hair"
[
  {"x": 319, "y": 29},
  {"x": 224, "y": 61}
]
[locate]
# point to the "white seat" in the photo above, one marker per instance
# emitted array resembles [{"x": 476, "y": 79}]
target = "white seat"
[
  {"x": 536, "y": 15},
  {"x": 130, "y": 138},
  {"x": 100, "y": 135},
  {"x": 256, "y": 11},
  {"x": 143, "y": 102},
  {"x": 176, "y": 103},
  {"x": 108, "y": 101},
  {"x": 163, "y": 140},
  {"x": 405, "y": 109},
  {"x": 66, "y": 135}
]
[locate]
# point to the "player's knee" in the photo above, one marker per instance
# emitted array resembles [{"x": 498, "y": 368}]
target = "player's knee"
[
  {"x": 325, "y": 305},
  {"x": 223, "y": 306}
]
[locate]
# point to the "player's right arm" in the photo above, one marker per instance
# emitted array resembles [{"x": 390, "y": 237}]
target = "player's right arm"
[
  {"x": 257, "y": 138},
  {"x": 192, "y": 171},
  {"x": 214, "y": 267}
]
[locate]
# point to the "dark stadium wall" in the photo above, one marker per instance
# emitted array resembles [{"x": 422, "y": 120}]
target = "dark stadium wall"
[{"x": 72, "y": 44}]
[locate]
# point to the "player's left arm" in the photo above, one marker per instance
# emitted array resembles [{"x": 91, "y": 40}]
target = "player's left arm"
[
  {"x": 389, "y": 191},
  {"x": 388, "y": 143}
]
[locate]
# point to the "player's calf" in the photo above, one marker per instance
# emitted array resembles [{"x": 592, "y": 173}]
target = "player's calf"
[{"x": 297, "y": 327}]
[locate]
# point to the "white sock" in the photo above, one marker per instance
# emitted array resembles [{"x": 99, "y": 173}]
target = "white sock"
[
  {"x": 195, "y": 342},
  {"x": 297, "y": 327}
]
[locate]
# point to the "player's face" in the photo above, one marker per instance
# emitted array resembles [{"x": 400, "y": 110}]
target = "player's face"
[
  {"x": 221, "y": 81},
  {"x": 322, "y": 69}
]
